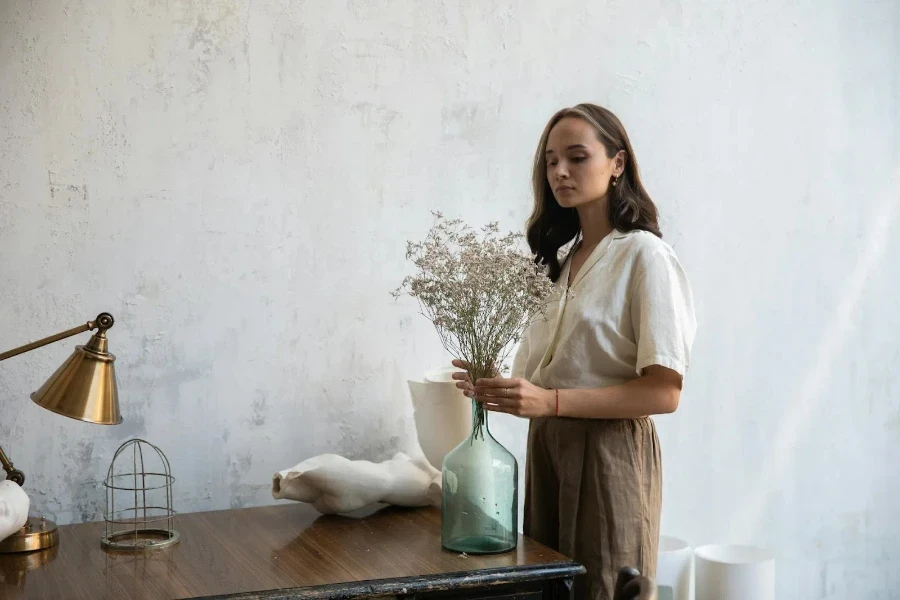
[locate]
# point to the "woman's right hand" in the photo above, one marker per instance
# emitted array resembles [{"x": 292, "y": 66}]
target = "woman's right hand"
[{"x": 463, "y": 381}]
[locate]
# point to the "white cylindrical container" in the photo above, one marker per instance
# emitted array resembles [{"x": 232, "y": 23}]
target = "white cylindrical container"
[
  {"x": 675, "y": 566},
  {"x": 732, "y": 572},
  {"x": 442, "y": 413}
]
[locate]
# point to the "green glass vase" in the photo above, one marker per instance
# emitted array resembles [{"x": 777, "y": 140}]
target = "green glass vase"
[{"x": 480, "y": 493}]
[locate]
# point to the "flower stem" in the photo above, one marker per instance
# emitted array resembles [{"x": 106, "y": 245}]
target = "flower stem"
[{"x": 479, "y": 418}]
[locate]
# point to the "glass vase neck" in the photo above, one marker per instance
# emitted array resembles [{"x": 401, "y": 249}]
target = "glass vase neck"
[{"x": 480, "y": 429}]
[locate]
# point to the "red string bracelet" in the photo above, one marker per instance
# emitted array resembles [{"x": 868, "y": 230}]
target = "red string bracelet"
[{"x": 557, "y": 402}]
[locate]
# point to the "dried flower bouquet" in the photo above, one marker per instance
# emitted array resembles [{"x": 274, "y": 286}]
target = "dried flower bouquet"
[{"x": 480, "y": 292}]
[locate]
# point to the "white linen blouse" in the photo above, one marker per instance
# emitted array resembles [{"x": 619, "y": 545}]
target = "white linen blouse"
[{"x": 629, "y": 306}]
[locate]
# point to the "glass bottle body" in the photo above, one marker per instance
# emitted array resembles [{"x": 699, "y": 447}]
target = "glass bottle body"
[{"x": 479, "y": 495}]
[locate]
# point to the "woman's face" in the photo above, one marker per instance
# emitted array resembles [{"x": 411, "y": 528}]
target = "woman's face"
[{"x": 578, "y": 170}]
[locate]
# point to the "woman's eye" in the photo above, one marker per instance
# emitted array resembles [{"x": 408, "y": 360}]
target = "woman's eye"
[
  {"x": 551, "y": 164},
  {"x": 579, "y": 159}
]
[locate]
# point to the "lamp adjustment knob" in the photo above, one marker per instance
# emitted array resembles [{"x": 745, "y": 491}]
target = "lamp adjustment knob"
[
  {"x": 17, "y": 477},
  {"x": 104, "y": 321}
]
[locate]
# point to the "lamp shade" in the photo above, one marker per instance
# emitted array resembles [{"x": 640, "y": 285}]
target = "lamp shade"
[{"x": 84, "y": 387}]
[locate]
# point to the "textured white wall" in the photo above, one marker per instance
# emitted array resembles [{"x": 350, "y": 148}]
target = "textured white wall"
[{"x": 235, "y": 181}]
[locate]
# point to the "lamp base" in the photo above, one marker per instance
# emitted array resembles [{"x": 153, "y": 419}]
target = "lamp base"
[{"x": 37, "y": 534}]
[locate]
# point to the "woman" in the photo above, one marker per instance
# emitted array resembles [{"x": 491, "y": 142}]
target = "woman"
[{"x": 612, "y": 351}]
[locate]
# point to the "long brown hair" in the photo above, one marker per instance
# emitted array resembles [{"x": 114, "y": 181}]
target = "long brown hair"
[{"x": 551, "y": 226}]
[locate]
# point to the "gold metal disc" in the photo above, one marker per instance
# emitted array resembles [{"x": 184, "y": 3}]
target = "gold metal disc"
[{"x": 37, "y": 534}]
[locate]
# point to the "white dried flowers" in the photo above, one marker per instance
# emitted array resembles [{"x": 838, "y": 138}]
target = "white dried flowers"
[{"x": 479, "y": 292}]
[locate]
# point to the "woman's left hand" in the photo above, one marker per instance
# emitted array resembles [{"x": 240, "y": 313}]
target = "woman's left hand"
[{"x": 516, "y": 396}]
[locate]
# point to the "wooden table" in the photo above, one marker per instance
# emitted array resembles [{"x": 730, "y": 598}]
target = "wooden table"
[{"x": 287, "y": 551}]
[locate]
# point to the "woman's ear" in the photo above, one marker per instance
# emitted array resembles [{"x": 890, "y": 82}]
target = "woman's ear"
[{"x": 621, "y": 159}]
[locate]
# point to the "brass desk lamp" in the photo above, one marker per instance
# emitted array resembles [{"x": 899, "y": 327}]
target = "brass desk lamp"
[{"x": 83, "y": 388}]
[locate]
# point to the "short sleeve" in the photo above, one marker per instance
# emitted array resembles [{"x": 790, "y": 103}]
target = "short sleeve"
[{"x": 662, "y": 313}]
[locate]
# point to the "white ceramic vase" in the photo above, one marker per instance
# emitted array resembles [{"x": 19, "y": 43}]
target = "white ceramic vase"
[
  {"x": 443, "y": 414},
  {"x": 14, "y": 504},
  {"x": 675, "y": 569},
  {"x": 734, "y": 572}
]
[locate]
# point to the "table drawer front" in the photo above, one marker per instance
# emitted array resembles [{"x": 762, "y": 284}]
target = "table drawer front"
[
  {"x": 512, "y": 596},
  {"x": 475, "y": 595},
  {"x": 504, "y": 593}
]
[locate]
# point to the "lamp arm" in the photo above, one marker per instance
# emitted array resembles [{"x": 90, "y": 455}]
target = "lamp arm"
[
  {"x": 12, "y": 474},
  {"x": 103, "y": 322}
]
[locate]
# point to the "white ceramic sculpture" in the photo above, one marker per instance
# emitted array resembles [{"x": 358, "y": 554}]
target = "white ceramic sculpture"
[
  {"x": 674, "y": 569},
  {"x": 14, "y": 505},
  {"x": 443, "y": 414},
  {"x": 334, "y": 484},
  {"x": 735, "y": 573}
]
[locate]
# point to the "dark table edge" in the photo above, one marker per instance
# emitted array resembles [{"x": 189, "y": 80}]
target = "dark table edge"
[{"x": 417, "y": 584}]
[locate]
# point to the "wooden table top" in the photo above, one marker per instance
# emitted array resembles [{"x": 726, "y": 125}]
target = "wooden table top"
[{"x": 244, "y": 553}]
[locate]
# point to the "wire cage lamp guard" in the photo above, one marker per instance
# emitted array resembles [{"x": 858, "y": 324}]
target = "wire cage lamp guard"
[{"x": 144, "y": 518}]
